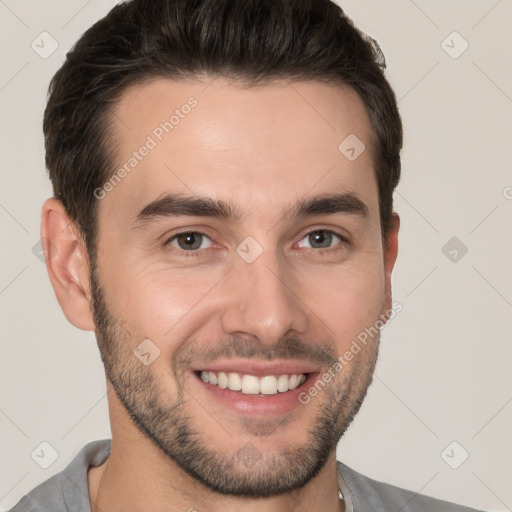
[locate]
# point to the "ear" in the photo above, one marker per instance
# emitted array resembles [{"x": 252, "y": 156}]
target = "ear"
[
  {"x": 67, "y": 264},
  {"x": 390, "y": 255}
]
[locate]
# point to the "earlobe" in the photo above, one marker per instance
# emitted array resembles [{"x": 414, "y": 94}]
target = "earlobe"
[{"x": 67, "y": 264}]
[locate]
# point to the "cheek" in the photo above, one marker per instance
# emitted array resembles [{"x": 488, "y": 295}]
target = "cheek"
[
  {"x": 157, "y": 301},
  {"x": 347, "y": 302}
]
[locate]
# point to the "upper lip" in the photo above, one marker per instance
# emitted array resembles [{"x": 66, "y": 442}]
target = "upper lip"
[{"x": 259, "y": 369}]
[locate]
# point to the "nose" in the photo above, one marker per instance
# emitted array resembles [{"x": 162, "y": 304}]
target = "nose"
[{"x": 262, "y": 302}]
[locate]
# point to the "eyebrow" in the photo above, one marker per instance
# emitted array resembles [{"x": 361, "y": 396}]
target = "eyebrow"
[
  {"x": 174, "y": 205},
  {"x": 330, "y": 204}
]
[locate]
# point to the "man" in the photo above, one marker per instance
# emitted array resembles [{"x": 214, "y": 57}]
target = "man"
[{"x": 223, "y": 220}]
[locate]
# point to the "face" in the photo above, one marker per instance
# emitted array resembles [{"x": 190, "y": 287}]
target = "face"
[{"x": 239, "y": 256}]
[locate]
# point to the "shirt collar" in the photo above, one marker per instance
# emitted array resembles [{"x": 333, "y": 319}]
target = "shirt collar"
[{"x": 344, "y": 491}]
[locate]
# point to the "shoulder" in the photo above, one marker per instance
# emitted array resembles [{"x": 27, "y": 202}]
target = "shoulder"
[
  {"x": 369, "y": 494},
  {"x": 67, "y": 490},
  {"x": 45, "y": 497}
]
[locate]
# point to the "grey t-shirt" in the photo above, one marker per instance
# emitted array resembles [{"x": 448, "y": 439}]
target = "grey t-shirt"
[{"x": 68, "y": 490}]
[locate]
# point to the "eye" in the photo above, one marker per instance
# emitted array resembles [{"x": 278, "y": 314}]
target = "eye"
[
  {"x": 190, "y": 241},
  {"x": 320, "y": 239}
]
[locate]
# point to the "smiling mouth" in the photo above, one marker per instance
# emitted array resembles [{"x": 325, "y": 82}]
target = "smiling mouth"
[{"x": 247, "y": 384}]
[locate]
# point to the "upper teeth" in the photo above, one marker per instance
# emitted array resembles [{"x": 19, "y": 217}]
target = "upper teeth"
[{"x": 252, "y": 385}]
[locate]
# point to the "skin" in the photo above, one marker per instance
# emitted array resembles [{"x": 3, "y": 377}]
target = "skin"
[{"x": 262, "y": 149}]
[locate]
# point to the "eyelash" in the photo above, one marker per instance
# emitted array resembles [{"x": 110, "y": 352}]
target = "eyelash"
[{"x": 198, "y": 252}]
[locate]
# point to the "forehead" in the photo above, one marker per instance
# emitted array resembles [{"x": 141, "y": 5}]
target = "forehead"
[{"x": 260, "y": 147}]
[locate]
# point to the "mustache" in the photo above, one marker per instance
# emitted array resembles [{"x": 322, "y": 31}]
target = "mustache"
[{"x": 291, "y": 348}]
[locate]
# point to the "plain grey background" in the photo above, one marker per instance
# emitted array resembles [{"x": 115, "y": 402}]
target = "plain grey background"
[{"x": 437, "y": 419}]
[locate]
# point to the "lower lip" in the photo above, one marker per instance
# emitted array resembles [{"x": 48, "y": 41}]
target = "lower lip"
[{"x": 250, "y": 405}]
